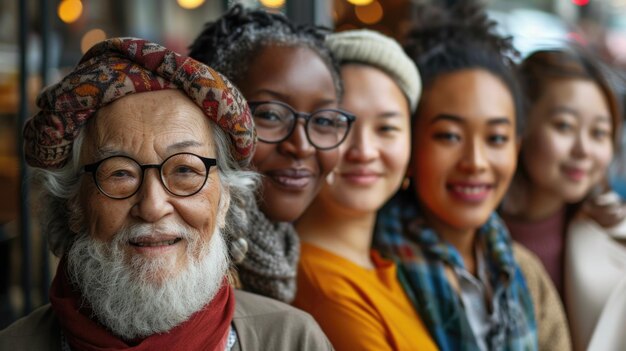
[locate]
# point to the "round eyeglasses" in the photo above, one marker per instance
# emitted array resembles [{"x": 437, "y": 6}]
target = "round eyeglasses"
[
  {"x": 275, "y": 121},
  {"x": 120, "y": 177}
]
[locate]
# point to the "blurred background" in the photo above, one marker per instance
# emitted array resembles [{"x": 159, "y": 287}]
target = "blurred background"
[{"x": 40, "y": 40}]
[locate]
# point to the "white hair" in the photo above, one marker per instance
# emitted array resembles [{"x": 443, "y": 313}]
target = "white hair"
[{"x": 138, "y": 297}]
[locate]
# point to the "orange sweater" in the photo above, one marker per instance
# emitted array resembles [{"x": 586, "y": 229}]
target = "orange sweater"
[{"x": 358, "y": 308}]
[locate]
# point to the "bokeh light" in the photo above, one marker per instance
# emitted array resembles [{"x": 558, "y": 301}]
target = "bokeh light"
[
  {"x": 190, "y": 4},
  {"x": 273, "y": 3},
  {"x": 70, "y": 10},
  {"x": 369, "y": 14},
  {"x": 91, "y": 38},
  {"x": 580, "y": 2},
  {"x": 360, "y": 2}
]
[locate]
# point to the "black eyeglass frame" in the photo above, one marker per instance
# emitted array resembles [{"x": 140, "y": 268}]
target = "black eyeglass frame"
[
  {"x": 93, "y": 169},
  {"x": 307, "y": 117}
]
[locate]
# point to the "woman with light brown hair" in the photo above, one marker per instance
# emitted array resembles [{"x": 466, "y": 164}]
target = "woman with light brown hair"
[{"x": 572, "y": 133}]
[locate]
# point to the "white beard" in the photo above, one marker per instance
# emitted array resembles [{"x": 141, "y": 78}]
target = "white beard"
[{"x": 140, "y": 297}]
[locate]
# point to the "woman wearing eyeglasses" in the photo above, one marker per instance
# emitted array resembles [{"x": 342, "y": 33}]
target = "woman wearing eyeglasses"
[
  {"x": 292, "y": 85},
  {"x": 352, "y": 292}
]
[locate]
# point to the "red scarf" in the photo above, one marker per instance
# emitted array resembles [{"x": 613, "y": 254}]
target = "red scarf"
[{"x": 205, "y": 330}]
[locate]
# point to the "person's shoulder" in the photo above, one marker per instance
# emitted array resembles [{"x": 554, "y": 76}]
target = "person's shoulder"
[
  {"x": 535, "y": 274},
  {"x": 528, "y": 262},
  {"x": 549, "y": 313},
  {"x": 315, "y": 258},
  {"x": 37, "y": 331},
  {"x": 327, "y": 273},
  {"x": 249, "y": 305},
  {"x": 586, "y": 229},
  {"x": 584, "y": 225},
  {"x": 267, "y": 324}
]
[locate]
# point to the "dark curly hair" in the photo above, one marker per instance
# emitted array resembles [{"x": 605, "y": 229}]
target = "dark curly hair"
[
  {"x": 446, "y": 40},
  {"x": 230, "y": 43}
]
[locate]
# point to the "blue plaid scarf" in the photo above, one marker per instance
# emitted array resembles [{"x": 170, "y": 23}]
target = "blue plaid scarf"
[{"x": 421, "y": 257}]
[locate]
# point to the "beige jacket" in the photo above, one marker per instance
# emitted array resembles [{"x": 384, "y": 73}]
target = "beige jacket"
[
  {"x": 260, "y": 323},
  {"x": 595, "y": 263},
  {"x": 552, "y": 326}
]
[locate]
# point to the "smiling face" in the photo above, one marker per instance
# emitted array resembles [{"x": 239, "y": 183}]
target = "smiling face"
[
  {"x": 293, "y": 170},
  {"x": 464, "y": 148},
  {"x": 568, "y": 146},
  {"x": 149, "y": 127},
  {"x": 375, "y": 155}
]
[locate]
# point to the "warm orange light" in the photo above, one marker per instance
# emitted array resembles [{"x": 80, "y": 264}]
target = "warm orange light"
[
  {"x": 70, "y": 10},
  {"x": 91, "y": 38},
  {"x": 360, "y": 2},
  {"x": 369, "y": 14},
  {"x": 340, "y": 10},
  {"x": 190, "y": 4},
  {"x": 273, "y": 3}
]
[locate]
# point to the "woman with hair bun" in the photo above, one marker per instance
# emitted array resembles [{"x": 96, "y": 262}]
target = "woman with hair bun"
[
  {"x": 292, "y": 85},
  {"x": 472, "y": 286}
]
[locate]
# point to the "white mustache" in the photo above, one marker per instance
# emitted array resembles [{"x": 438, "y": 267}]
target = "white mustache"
[
  {"x": 330, "y": 178},
  {"x": 146, "y": 230},
  {"x": 128, "y": 297}
]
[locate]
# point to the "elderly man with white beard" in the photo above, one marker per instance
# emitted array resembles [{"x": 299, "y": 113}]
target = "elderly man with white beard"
[{"x": 142, "y": 155}]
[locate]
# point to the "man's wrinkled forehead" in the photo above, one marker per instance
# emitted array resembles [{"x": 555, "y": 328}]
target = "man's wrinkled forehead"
[{"x": 165, "y": 122}]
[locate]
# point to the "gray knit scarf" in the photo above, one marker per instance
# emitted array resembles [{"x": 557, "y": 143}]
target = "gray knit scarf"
[{"x": 271, "y": 262}]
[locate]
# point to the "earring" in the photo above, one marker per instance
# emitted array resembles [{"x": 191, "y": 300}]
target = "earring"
[
  {"x": 406, "y": 183},
  {"x": 238, "y": 249},
  {"x": 330, "y": 178}
]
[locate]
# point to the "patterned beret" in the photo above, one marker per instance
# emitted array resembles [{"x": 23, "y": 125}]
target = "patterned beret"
[{"x": 117, "y": 67}]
